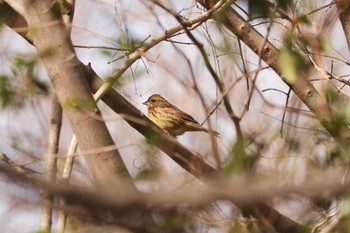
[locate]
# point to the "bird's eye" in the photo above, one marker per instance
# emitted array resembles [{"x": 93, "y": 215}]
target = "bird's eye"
[{"x": 152, "y": 101}]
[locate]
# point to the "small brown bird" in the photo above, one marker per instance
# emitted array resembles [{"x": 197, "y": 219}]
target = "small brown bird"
[{"x": 171, "y": 119}]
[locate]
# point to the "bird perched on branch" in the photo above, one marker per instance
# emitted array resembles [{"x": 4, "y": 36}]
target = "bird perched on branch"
[{"x": 171, "y": 119}]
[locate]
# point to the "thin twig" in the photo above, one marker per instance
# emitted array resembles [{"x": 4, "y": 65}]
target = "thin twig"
[{"x": 285, "y": 111}]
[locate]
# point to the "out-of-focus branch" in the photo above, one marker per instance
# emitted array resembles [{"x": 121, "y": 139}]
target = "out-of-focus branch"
[
  {"x": 123, "y": 201},
  {"x": 50, "y": 169},
  {"x": 19, "y": 168},
  {"x": 85, "y": 197}
]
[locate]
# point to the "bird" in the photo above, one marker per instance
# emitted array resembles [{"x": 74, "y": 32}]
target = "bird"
[{"x": 171, "y": 119}]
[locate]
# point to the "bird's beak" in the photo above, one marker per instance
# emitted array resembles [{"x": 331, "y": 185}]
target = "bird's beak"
[{"x": 145, "y": 103}]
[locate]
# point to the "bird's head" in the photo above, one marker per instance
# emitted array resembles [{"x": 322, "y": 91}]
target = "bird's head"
[{"x": 155, "y": 101}]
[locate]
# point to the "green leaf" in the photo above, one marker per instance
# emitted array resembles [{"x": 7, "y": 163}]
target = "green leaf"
[
  {"x": 5, "y": 92},
  {"x": 304, "y": 19},
  {"x": 325, "y": 45},
  {"x": 288, "y": 65},
  {"x": 258, "y": 8},
  {"x": 284, "y": 4},
  {"x": 242, "y": 160},
  {"x": 332, "y": 94}
]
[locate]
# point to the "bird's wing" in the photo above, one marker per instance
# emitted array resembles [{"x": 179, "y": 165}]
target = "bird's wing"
[
  {"x": 178, "y": 113},
  {"x": 186, "y": 117}
]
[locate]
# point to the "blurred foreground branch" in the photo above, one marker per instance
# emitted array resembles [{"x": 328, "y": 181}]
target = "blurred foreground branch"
[{"x": 123, "y": 202}]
